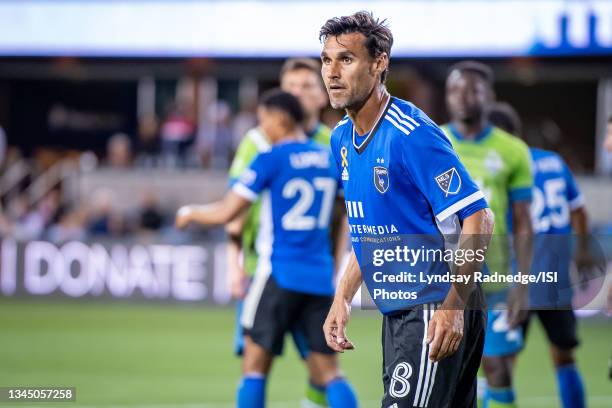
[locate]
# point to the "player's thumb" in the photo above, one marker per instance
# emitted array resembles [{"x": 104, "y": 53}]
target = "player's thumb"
[
  {"x": 341, "y": 331},
  {"x": 431, "y": 330}
]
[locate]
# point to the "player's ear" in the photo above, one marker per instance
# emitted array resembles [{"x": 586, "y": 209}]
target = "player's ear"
[
  {"x": 381, "y": 63},
  {"x": 287, "y": 122}
]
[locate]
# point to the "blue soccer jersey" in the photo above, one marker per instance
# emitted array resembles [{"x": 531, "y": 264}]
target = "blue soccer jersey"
[
  {"x": 555, "y": 194},
  {"x": 403, "y": 178},
  {"x": 298, "y": 185}
]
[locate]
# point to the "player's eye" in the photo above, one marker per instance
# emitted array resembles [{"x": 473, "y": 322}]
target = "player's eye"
[
  {"x": 347, "y": 60},
  {"x": 326, "y": 60}
]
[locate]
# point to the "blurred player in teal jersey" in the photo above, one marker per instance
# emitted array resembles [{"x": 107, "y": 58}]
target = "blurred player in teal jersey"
[
  {"x": 293, "y": 282},
  {"x": 300, "y": 77},
  {"x": 501, "y": 165},
  {"x": 557, "y": 210}
]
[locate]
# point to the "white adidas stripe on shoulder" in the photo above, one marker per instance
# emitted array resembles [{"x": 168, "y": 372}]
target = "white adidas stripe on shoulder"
[
  {"x": 403, "y": 115},
  {"x": 401, "y": 128},
  {"x": 342, "y": 122},
  {"x": 400, "y": 120}
]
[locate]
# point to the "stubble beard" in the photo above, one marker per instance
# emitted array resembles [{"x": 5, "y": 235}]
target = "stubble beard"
[{"x": 342, "y": 104}]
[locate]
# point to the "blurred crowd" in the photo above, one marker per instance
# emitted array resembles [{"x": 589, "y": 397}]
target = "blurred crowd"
[
  {"x": 181, "y": 136},
  {"x": 53, "y": 220},
  {"x": 172, "y": 141},
  {"x": 175, "y": 141}
]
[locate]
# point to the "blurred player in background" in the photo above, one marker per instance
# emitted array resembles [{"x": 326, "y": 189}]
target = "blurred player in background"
[
  {"x": 400, "y": 175},
  {"x": 295, "y": 269},
  {"x": 556, "y": 210},
  {"x": 300, "y": 77},
  {"x": 500, "y": 165}
]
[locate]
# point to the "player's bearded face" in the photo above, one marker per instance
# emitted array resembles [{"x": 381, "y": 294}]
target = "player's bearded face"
[
  {"x": 467, "y": 96},
  {"x": 348, "y": 70}
]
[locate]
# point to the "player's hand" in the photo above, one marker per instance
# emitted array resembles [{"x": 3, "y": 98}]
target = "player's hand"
[
  {"x": 444, "y": 333},
  {"x": 238, "y": 281},
  {"x": 183, "y": 217},
  {"x": 587, "y": 268},
  {"x": 334, "y": 327},
  {"x": 584, "y": 260},
  {"x": 518, "y": 305}
]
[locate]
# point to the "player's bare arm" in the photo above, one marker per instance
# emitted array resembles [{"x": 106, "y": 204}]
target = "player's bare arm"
[
  {"x": 217, "y": 213},
  {"x": 580, "y": 226},
  {"x": 339, "y": 313},
  {"x": 341, "y": 233},
  {"x": 446, "y": 326},
  {"x": 238, "y": 279},
  {"x": 523, "y": 243}
]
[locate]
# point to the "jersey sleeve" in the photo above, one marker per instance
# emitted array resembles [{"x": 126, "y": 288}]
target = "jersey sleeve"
[
  {"x": 257, "y": 177},
  {"x": 246, "y": 152},
  {"x": 520, "y": 181},
  {"x": 574, "y": 197},
  {"x": 430, "y": 161}
]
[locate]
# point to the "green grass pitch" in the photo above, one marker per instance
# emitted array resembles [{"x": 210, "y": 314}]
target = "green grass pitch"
[{"x": 160, "y": 356}]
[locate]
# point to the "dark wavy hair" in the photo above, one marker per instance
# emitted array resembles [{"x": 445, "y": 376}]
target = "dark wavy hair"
[
  {"x": 283, "y": 101},
  {"x": 378, "y": 35}
]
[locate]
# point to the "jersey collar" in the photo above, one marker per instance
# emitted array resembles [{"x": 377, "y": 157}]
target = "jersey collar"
[
  {"x": 479, "y": 137},
  {"x": 361, "y": 147}
]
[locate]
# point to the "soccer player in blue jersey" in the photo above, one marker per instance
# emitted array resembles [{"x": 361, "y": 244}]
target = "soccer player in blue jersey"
[
  {"x": 557, "y": 209},
  {"x": 301, "y": 77},
  {"x": 294, "y": 279},
  {"x": 401, "y": 177}
]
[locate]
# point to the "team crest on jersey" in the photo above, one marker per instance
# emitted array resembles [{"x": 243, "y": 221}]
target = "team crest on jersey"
[
  {"x": 449, "y": 181},
  {"x": 381, "y": 179}
]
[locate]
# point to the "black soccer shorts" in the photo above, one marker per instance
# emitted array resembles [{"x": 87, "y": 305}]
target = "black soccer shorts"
[
  {"x": 411, "y": 380},
  {"x": 560, "y": 327},
  {"x": 268, "y": 315}
]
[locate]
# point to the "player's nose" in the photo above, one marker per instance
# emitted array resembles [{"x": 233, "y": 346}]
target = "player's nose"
[{"x": 333, "y": 70}]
